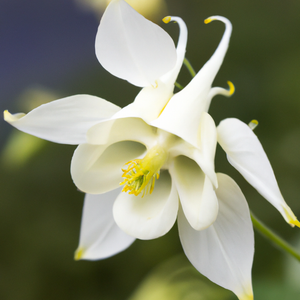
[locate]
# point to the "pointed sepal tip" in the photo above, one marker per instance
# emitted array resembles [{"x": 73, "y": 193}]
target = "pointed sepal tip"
[{"x": 79, "y": 253}]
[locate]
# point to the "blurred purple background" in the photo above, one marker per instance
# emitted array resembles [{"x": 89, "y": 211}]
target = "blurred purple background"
[{"x": 42, "y": 43}]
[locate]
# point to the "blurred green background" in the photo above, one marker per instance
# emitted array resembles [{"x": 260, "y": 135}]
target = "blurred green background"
[{"x": 49, "y": 45}]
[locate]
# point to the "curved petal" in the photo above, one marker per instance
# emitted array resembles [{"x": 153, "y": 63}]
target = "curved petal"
[
  {"x": 196, "y": 193},
  {"x": 115, "y": 129},
  {"x": 171, "y": 76},
  {"x": 207, "y": 143},
  {"x": 224, "y": 251},
  {"x": 64, "y": 121},
  {"x": 204, "y": 153},
  {"x": 133, "y": 48},
  {"x": 149, "y": 103},
  {"x": 182, "y": 114},
  {"x": 221, "y": 91},
  {"x": 100, "y": 237},
  {"x": 150, "y": 216},
  {"x": 245, "y": 152},
  {"x": 98, "y": 169}
]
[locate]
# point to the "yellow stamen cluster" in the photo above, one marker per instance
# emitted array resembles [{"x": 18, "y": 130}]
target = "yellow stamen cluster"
[
  {"x": 137, "y": 179},
  {"x": 140, "y": 174}
]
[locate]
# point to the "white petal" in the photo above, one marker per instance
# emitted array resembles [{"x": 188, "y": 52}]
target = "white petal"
[
  {"x": 196, "y": 193},
  {"x": 182, "y": 114},
  {"x": 246, "y": 154},
  {"x": 113, "y": 130},
  {"x": 224, "y": 251},
  {"x": 204, "y": 149},
  {"x": 97, "y": 169},
  {"x": 207, "y": 143},
  {"x": 100, "y": 237},
  {"x": 150, "y": 216},
  {"x": 149, "y": 103},
  {"x": 133, "y": 48},
  {"x": 64, "y": 121}
]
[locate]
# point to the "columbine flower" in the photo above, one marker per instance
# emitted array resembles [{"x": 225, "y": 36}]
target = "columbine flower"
[{"x": 161, "y": 150}]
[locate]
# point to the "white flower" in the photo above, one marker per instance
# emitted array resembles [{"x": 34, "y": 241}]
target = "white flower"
[{"x": 161, "y": 148}]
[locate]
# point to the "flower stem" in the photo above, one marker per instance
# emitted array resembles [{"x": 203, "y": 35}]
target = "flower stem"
[
  {"x": 178, "y": 85},
  {"x": 189, "y": 67},
  {"x": 269, "y": 234}
]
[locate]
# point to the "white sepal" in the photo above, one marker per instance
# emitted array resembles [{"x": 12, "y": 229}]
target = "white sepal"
[
  {"x": 64, "y": 121},
  {"x": 245, "y": 152},
  {"x": 131, "y": 47},
  {"x": 100, "y": 237},
  {"x": 224, "y": 251}
]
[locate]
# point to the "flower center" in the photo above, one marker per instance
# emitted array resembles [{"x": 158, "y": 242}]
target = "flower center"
[{"x": 140, "y": 174}]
